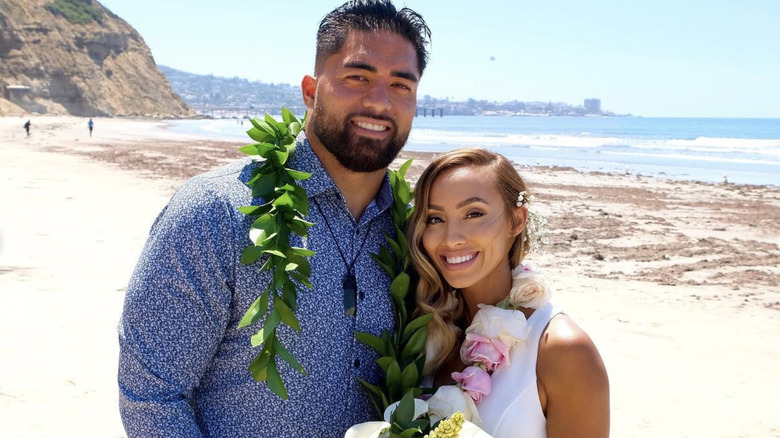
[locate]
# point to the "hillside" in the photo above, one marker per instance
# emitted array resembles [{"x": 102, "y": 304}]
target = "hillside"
[
  {"x": 207, "y": 92},
  {"x": 76, "y": 57}
]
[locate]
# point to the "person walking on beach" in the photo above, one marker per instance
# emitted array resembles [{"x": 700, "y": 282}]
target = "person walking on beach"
[
  {"x": 90, "y": 124},
  {"x": 27, "y": 127},
  {"x": 183, "y": 360}
]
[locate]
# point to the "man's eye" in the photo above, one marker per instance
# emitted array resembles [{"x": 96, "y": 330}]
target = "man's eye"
[{"x": 402, "y": 86}]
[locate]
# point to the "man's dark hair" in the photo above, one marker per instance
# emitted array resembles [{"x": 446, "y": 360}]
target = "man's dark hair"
[{"x": 368, "y": 16}]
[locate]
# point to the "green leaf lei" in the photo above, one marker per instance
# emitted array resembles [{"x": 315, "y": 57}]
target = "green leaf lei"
[
  {"x": 401, "y": 352},
  {"x": 286, "y": 205}
]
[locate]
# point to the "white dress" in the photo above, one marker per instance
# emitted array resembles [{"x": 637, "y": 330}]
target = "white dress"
[{"x": 513, "y": 409}]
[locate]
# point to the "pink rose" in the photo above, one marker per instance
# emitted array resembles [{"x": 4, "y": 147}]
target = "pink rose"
[
  {"x": 491, "y": 352},
  {"x": 475, "y": 381}
]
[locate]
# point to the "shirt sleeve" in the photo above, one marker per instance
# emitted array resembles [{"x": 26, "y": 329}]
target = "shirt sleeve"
[{"x": 176, "y": 311}]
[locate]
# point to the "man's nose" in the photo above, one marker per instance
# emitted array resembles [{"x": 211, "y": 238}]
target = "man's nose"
[{"x": 378, "y": 98}]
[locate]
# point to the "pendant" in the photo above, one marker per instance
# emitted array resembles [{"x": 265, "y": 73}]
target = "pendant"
[{"x": 349, "y": 286}]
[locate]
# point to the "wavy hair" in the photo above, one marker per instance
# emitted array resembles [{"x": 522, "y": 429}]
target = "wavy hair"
[{"x": 433, "y": 293}]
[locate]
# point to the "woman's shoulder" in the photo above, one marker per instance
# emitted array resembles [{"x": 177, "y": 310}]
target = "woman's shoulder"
[
  {"x": 569, "y": 364},
  {"x": 571, "y": 372},
  {"x": 565, "y": 343}
]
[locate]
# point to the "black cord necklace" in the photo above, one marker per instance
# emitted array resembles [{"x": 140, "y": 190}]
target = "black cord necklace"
[{"x": 349, "y": 282}]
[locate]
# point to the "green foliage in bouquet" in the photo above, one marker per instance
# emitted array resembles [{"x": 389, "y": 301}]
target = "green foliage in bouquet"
[
  {"x": 401, "y": 352},
  {"x": 285, "y": 206}
]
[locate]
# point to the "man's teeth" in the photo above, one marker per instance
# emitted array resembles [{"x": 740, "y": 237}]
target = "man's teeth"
[
  {"x": 371, "y": 126},
  {"x": 461, "y": 259}
]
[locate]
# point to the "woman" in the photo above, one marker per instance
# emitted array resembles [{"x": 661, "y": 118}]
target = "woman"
[{"x": 468, "y": 238}]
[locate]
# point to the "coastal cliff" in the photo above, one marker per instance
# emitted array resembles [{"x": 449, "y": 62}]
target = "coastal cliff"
[{"x": 76, "y": 57}]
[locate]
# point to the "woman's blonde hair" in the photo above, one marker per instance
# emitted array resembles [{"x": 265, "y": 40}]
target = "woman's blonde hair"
[{"x": 433, "y": 293}]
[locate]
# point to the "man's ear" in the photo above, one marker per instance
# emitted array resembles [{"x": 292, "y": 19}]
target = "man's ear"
[
  {"x": 308, "y": 90},
  {"x": 521, "y": 217}
]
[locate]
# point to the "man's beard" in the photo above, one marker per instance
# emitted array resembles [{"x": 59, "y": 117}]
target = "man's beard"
[{"x": 355, "y": 153}]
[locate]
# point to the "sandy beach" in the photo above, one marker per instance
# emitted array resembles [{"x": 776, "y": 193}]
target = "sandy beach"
[{"x": 676, "y": 282}]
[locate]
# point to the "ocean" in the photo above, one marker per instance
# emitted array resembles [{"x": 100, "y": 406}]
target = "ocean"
[{"x": 742, "y": 151}]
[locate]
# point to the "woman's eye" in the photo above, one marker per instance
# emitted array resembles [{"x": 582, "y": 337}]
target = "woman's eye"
[
  {"x": 474, "y": 214},
  {"x": 433, "y": 220}
]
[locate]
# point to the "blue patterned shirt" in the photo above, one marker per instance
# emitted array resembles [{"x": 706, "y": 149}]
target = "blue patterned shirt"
[{"x": 183, "y": 361}]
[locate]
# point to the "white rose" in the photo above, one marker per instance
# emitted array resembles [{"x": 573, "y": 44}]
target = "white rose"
[
  {"x": 528, "y": 288},
  {"x": 507, "y": 325},
  {"x": 449, "y": 399},
  {"x": 371, "y": 429}
]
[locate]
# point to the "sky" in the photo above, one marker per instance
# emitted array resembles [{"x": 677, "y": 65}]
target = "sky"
[{"x": 653, "y": 58}]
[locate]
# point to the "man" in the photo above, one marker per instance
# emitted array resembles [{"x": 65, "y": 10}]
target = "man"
[
  {"x": 183, "y": 361},
  {"x": 90, "y": 124},
  {"x": 27, "y": 125}
]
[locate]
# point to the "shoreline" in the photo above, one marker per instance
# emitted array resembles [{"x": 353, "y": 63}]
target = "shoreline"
[{"x": 678, "y": 283}]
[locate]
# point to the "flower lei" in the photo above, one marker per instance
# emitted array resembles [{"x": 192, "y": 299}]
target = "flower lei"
[{"x": 495, "y": 330}]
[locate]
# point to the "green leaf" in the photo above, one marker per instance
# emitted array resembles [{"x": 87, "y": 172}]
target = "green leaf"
[
  {"x": 303, "y": 252},
  {"x": 404, "y": 413},
  {"x": 409, "y": 376},
  {"x": 396, "y": 249},
  {"x": 288, "y": 116},
  {"x": 262, "y": 228},
  {"x": 301, "y": 279},
  {"x": 264, "y": 186},
  {"x": 260, "y": 337},
  {"x": 259, "y": 365},
  {"x": 418, "y": 323},
  {"x": 298, "y": 175},
  {"x": 283, "y": 200},
  {"x": 304, "y": 267},
  {"x": 400, "y": 286},
  {"x": 275, "y": 252},
  {"x": 393, "y": 379},
  {"x": 295, "y": 128},
  {"x": 378, "y": 395},
  {"x": 415, "y": 345},
  {"x": 286, "y": 314},
  {"x": 384, "y": 362},
  {"x": 290, "y": 295},
  {"x": 259, "y": 136},
  {"x": 270, "y": 120},
  {"x": 250, "y": 254},
  {"x": 409, "y": 432},
  {"x": 372, "y": 341},
  {"x": 401, "y": 172},
  {"x": 256, "y": 310},
  {"x": 264, "y": 127},
  {"x": 281, "y": 157},
  {"x": 287, "y": 357},
  {"x": 275, "y": 382}
]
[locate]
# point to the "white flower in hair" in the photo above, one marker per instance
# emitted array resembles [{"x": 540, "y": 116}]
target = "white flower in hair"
[
  {"x": 523, "y": 198},
  {"x": 536, "y": 224}
]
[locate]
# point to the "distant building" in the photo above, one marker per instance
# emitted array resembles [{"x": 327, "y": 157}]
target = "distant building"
[
  {"x": 593, "y": 106},
  {"x": 16, "y": 92}
]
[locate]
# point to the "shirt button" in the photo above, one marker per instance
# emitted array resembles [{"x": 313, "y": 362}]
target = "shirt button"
[{"x": 356, "y": 363}]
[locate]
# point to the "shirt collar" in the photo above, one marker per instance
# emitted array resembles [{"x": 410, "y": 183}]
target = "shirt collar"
[{"x": 305, "y": 160}]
